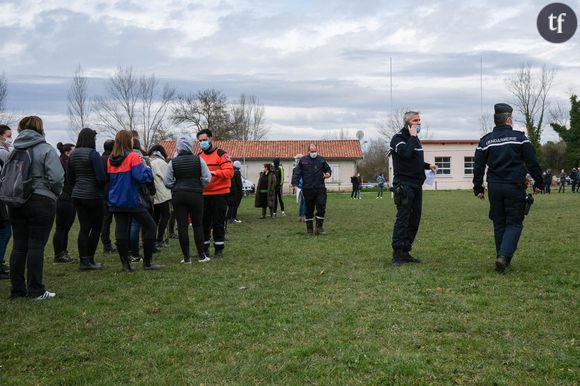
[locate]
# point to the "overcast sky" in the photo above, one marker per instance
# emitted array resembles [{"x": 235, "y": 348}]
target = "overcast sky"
[{"x": 317, "y": 66}]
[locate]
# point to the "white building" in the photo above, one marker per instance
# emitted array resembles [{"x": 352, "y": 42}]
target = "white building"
[
  {"x": 341, "y": 155},
  {"x": 455, "y": 161}
]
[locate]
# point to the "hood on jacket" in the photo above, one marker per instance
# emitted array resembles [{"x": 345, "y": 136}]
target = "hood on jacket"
[
  {"x": 184, "y": 145},
  {"x": 157, "y": 154},
  {"x": 28, "y": 138},
  {"x": 118, "y": 160}
]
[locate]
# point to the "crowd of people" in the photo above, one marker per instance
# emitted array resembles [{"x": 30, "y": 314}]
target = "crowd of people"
[{"x": 146, "y": 191}]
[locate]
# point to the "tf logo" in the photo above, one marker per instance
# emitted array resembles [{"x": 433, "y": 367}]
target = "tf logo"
[{"x": 557, "y": 23}]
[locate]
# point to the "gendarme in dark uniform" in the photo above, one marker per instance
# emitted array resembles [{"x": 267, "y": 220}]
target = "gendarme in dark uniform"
[
  {"x": 313, "y": 170},
  {"x": 509, "y": 156},
  {"x": 409, "y": 174}
]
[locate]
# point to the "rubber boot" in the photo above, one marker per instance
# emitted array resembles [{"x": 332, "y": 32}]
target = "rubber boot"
[
  {"x": 310, "y": 227},
  {"x": 319, "y": 227}
]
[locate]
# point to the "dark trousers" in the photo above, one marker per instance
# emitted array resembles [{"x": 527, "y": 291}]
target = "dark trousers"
[
  {"x": 90, "y": 212},
  {"x": 171, "y": 224},
  {"x": 233, "y": 205},
  {"x": 214, "y": 216},
  {"x": 409, "y": 201},
  {"x": 161, "y": 214},
  {"x": 507, "y": 204},
  {"x": 122, "y": 227},
  {"x": 315, "y": 199},
  {"x": 31, "y": 225},
  {"x": 278, "y": 197},
  {"x": 354, "y": 193},
  {"x": 65, "y": 218},
  {"x": 189, "y": 204},
  {"x": 5, "y": 234},
  {"x": 106, "y": 229}
]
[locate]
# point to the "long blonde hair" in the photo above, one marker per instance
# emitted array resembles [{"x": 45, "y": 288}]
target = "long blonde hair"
[{"x": 122, "y": 142}]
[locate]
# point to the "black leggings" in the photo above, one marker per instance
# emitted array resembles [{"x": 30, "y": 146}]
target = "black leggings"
[
  {"x": 90, "y": 214},
  {"x": 65, "y": 218},
  {"x": 161, "y": 216},
  {"x": 122, "y": 227},
  {"x": 189, "y": 204}
]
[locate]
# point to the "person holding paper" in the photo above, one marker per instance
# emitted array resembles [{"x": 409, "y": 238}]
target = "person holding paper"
[{"x": 409, "y": 174}]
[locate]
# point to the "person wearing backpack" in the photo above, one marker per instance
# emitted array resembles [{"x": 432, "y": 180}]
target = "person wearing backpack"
[
  {"x": 128, "y": 175},
  {"x": 87, "y": 177},
  {"x": 5, "y": 229},
  {"x": 32, "y": 219}
]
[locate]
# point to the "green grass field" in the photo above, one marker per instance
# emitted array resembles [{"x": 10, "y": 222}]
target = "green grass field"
[{"x": 282, "y": 308}]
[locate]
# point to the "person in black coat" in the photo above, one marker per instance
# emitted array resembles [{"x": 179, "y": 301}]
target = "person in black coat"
[{"x": 236, "y": 194}]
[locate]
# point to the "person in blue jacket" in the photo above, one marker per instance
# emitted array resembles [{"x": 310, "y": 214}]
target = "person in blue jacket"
[{"x": 127, "y": 178}]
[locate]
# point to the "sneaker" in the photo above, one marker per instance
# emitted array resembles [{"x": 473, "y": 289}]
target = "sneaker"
[
  {"x": 219, "y": 254},
  {"x": 45, "y": 295},
  {"x": 186, "y": 261},
  {"x": 135, "y": 259},
  {"x": 283, "y": 214},
  {"x": 205, "y": 259},
  {"x": 63, "y": 258},
  {"x": 173, "y": 236},
  {"x": 237, "y": 221},
  {"x": 151, "y": 267}
]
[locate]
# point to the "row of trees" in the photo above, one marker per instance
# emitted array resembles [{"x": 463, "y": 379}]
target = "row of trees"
[
  {"x": 141, "y": 103},
  {"x": 156, "y": 111}
]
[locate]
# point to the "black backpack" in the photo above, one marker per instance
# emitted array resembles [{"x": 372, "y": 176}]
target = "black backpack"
[{"x": 16, "y": 178}]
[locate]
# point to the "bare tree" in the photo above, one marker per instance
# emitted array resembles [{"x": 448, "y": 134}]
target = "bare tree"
[
  {"x": 486, "y": 123},
  {"x": 205, "y": 110},
  {"x": 152, "y": 126},
  {"x": 338, "y": 134},
  {"x": 559, "y": 115},
  {"x": 78, "y": 105},
  {"x": 247, "y": 119},
  {"x": 5, "y": 118},
  {"x": 392, "y": 124},
  {"x": 375, "y": 159},
  {"x": 117, "y": 111},
  {"x": 530, "y": 89}
]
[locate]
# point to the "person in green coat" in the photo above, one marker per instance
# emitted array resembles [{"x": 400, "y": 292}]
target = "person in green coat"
[{"x": 266, "y": 190}]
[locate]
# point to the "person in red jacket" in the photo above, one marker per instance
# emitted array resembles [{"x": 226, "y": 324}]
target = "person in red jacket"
[{"x": 215, "y": 193}]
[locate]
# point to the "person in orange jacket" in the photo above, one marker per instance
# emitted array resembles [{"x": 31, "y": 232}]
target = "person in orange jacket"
[{"x": 215, "y": 194}]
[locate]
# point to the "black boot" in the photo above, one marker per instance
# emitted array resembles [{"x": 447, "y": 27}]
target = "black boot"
[
  {"x": 500, "y": 264},
  {"x": 319, "y": 227},
  {"x": 397, "y": 258},
  {"x": 85, "y": 265},
  {"x": 407, "y": 258},
  {"x": 126, "y": 264},
  {"x": 148, "y": 263},
  {"x": 310, "y": 227}
]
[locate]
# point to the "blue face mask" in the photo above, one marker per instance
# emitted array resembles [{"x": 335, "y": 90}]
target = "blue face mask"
[
  {"x": 418, "y": 128},
  {"x": 204, "y": 145},
  {"x": 313, "y": 154}
]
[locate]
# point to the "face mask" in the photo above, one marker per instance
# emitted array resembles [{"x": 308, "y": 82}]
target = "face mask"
[
  {"x": 8, "y": 142},
  {"x": 418, "y": 127},
  {"x": 313, "y": 154},
  {"x": 204, "y": 145}
]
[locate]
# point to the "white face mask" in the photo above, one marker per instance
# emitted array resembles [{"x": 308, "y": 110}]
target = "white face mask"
[
  {"x": 8, "y": 142},
  {"x": 313, "y": 154}
]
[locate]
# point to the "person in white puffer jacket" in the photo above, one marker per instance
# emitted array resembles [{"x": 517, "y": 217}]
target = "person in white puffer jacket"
[{"x": 162, "y": 197}]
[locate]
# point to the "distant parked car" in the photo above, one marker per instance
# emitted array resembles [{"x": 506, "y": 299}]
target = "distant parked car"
[
  {"x": 369, "y": 185},
  {"x": 248, "y": 187}
]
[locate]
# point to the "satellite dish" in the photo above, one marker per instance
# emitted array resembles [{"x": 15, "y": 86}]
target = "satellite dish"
[{"x": 360, "y": 135}]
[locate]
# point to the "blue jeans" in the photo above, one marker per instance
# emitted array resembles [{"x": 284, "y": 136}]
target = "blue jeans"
[{"x": 5, "y": 234}]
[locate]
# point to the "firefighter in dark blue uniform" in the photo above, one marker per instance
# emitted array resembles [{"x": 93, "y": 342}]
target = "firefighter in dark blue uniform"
[
  {"x": 313, "y": 170},
  {"x": 509, "y": 156},
  {"x": 409, "y": 174}
]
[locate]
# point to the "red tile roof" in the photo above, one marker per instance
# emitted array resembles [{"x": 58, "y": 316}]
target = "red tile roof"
[
  {"x": 281, "y": 149},
  {"x": 449, "y": 141}
]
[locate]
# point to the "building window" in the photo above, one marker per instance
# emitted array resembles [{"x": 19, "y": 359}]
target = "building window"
[
  {"x": 468, "y": 165},
  {"x": 444, "y": 165}
]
